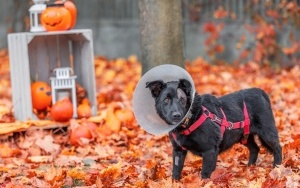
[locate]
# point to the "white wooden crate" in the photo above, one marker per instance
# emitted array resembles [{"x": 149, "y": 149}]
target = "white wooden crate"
[{"x": 33, "y": 56}]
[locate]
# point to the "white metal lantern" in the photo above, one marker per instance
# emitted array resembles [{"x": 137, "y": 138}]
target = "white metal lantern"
[
  {"x": 35, "y": 12},
  {"x": 64, "y": 80}
]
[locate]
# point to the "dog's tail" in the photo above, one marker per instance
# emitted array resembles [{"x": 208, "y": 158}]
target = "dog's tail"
[{"x": 266, "y": 97}]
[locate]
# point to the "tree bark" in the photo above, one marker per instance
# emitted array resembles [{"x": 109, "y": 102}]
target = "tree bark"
[{"x": 161, "y": 33}]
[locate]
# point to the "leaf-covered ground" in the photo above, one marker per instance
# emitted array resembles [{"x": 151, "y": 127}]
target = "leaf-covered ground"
[{"x": 121, "y": 154}]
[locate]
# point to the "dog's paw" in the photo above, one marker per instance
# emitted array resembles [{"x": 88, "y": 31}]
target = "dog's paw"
[
  {"x": 175, "y": 181},
  {"x": 206, "y": 182}
]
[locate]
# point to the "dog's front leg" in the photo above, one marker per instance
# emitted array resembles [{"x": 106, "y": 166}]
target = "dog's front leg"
[
  {"x": 209, "y": 163},
  {"x": 178, "y": 161}
]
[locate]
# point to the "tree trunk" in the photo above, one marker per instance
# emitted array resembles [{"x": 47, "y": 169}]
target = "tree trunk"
[{"x": 161, "y": 33}]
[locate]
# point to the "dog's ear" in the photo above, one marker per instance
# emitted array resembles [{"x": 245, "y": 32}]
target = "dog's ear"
[
  {"x": 185, "y": 85},
  {"x": 155, "y": 87}
]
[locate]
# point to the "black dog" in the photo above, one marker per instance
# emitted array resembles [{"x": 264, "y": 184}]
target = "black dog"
[{"x": 214, "y": 124}]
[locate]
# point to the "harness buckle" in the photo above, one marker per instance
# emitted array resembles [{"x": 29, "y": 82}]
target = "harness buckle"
[
  {"x": 206, "y": 112},
  {"x": 187, "y": 119},
  {"x": 216, "y": 119},
  {"x": 230, "y": 125}
]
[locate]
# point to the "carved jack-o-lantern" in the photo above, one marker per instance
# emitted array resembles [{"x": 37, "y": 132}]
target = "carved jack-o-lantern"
[
  {"x": 56, "y": 18},
  {"x": 71, "y": 7}
]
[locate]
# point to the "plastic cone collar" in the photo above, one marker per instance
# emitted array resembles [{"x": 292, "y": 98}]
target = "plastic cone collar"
[{"x": 144, "y": 103}]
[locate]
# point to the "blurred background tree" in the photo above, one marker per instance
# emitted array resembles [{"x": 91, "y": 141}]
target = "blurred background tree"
[{"x": 161, "y": 33}]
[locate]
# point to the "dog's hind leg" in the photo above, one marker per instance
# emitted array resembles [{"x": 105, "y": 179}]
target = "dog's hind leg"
[
  {"x": 269, "y": 138},
  {"x": 272, "y": 144},
  {"x": 267, "y": 131},
  {"x": 253, "y": 148}
]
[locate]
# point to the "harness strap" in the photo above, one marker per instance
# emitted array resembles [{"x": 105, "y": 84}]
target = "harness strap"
[
  {"x": 246, "y": 123},
  {"x": 175, "y": 139},
  {"x": 224, "y": 124},
  {"x": 198, "y": 123}
]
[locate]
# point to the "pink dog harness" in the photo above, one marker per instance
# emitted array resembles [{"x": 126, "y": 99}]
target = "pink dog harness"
[{"x": 223, "y": 122}]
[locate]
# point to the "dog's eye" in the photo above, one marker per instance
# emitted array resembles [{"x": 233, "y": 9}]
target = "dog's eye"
[{"x": 167, "y": 100}]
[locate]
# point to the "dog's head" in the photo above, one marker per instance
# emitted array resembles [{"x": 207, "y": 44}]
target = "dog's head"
[{"x": 172, "y": 99}]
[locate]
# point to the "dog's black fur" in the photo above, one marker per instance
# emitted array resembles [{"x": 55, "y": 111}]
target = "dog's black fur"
[{"x": 172, "y": 101}]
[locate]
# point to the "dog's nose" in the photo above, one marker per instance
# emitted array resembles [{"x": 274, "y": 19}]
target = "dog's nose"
[{"x": 176, "y": 115}]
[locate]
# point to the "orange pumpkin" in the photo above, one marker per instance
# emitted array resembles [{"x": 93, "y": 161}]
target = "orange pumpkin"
[
  {"x": 84, "y": 110},
  {"x": 82, "y": 131},
  {"x": 40, "y": 95},
  {"x": 124, "y": 115},
  {"x": 70, "y": 6},
  {"x": 62, "y": 110},
  {"x": 91, "y": 125},
  {"x": 56, "y": 18}
]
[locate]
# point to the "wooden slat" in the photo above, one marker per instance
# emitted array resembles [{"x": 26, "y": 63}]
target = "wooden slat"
[
  {"x": 52, "y": 52},
  {"x": 87, "y": 68},
  {"x": 42, "y": 57},
  {"x": 64, "y": 53},
  {"x": 18, "y": 126},
  {"x": 20, "y": 78}
]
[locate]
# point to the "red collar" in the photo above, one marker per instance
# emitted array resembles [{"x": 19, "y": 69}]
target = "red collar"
[{"x": 224, "y": 124}]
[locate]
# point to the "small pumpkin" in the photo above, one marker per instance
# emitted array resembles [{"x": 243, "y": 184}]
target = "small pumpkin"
[
  {"x": 40, "y": 95},
  {"x": 84, "y": 110},
  {"x": 56, "y": 18},
  {"x": 81, "y": 131},
  {"x": 91, "y": 125},
  {"x": 125, "y": 115},
  {"x": 70, "y": 6},
  {"x": 62, "y": 110}
]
